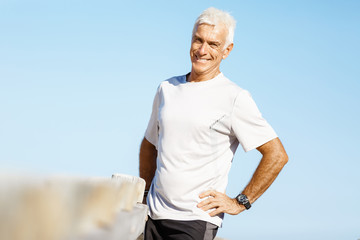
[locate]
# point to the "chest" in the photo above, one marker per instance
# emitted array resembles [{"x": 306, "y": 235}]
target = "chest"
[{"x": 196, "y": 110}]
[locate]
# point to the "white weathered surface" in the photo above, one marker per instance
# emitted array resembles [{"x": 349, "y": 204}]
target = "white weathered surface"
[
  {"x": 71, "y": 208},
  {"x": 126, "y": 226},
  {"x": 138, "y": 182}
]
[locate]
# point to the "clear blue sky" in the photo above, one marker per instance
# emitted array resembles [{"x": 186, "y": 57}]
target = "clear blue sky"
[{"x": 77, "y": 80}]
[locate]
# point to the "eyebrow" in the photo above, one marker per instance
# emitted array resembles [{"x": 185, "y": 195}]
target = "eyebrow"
[{"x": 217, "y": 43}]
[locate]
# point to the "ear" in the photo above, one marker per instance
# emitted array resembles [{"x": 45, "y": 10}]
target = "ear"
[{"x": 227, "y": 50}]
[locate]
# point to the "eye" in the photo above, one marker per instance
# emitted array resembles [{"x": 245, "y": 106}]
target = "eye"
[
  {"x": 196, "y": 40},
  {"x": 214, "y": 45}
]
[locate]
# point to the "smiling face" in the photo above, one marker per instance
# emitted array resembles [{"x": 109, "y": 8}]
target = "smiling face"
[{"x": 207, "y": 51}]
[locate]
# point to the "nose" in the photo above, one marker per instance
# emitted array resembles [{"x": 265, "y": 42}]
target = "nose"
[{"x": 203, "y": 49}]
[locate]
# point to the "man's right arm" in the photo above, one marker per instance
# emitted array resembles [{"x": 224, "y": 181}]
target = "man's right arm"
[{"x": 147, "y": 163}]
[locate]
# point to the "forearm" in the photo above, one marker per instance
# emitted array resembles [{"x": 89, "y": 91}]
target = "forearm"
[
  {"x": 147, "y": 162},
  {"x": 268, "y": 169}
]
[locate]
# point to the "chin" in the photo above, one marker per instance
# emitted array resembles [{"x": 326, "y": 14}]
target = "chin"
[
  {"x": 199, "y": 68},
  {"x": 199, "y": 71}
]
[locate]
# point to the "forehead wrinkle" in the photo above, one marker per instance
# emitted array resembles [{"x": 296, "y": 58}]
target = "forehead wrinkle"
[{"x": 214, "y": 34}]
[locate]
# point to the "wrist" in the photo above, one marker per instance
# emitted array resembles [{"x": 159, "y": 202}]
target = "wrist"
[
  {"x": 238, "y": 207},
  {"x": 243, "y": 200}
]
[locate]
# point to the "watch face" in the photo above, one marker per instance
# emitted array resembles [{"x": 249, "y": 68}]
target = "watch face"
[{"x": 242, "y": 199}]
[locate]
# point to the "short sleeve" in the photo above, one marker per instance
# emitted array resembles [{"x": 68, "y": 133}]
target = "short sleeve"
[
  {"x": 152, "y": 130},
  {"x": 248, "y": 125}
]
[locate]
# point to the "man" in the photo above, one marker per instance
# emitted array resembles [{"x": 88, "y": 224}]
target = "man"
[{"x": 197, "y": 122}]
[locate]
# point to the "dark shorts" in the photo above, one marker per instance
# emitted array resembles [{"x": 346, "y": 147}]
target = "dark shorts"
[{"x": 179, "y": 230}]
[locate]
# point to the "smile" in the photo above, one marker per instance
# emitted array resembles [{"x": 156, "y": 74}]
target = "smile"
[{"x": 201, "y": 59}]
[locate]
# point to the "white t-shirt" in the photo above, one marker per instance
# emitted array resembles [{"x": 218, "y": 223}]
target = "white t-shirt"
[{"x": 196, "y": 128}]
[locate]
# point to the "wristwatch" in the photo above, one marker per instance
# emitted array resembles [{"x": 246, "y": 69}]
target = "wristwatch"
[{"x": 243, "y": 200}]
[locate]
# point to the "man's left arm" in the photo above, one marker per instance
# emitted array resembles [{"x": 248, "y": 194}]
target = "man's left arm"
[{"x": 274, "y": 158}]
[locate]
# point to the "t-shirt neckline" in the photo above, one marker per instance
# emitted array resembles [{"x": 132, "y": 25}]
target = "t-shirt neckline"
[{"x": 206, "y": 82}]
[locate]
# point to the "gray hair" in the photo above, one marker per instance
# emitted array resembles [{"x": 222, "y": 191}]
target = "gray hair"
[{"x": 215, "y": 17}]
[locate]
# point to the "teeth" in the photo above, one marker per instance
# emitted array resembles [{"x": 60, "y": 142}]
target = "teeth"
[{"x": 201, "y": 59}]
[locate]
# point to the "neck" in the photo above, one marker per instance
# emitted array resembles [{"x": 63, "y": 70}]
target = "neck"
[{"x": 195, "y": 77}]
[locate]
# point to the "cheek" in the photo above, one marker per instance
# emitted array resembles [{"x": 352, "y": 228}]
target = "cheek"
[
  {"x": 194, "y": 47},
  {"x": 216, "y": 54}
]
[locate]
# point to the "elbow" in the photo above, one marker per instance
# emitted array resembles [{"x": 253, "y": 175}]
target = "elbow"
[
  {"x": 275, "y": 151},
  {"x": 283, "y": 158},
  {"x": 286, "y": 159},
  {"x": 280, "y": 158}
]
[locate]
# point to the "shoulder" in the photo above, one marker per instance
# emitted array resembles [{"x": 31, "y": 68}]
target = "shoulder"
[
  {"x": 174, "y": 81},
  {"x": 171, "y": 83},
  {"x": 240, "y": 96},
  {"x": 233, "y": 88}
]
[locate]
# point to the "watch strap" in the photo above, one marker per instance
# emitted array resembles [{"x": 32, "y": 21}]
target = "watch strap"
[
  {"x": 247, "y": 205},
  {"x": 243, "y": 200}
]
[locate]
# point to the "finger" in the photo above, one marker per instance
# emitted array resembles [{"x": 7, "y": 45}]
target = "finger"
[
  {"x": 210, "y": 206},
  {"x": 216, "y": 212},
  {"x": 205, "y": 194},
  {"x": 204, "y": 202},
  {"x": 208, "y": 193}
]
